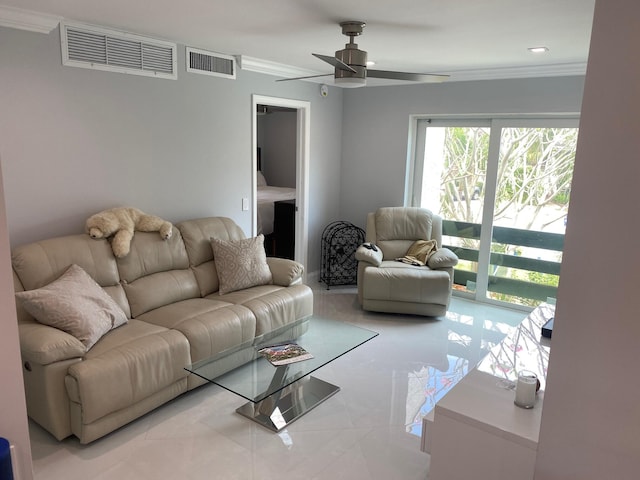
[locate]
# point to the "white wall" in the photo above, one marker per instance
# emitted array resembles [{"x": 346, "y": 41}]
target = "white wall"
[
  {"x": 591, "y": 417},
  {"x": 75, "y": 141},
  {"x": 376, "y": 128}
]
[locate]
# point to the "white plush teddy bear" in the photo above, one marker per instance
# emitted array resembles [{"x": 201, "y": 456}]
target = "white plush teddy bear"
[{"x": 121, "y": 222}]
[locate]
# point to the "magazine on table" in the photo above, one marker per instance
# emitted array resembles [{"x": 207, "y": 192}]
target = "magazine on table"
[{"x": 285, "y": 353}]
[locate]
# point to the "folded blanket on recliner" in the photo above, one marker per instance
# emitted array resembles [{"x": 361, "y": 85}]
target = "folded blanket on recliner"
[{"x": 419, "y": 253}]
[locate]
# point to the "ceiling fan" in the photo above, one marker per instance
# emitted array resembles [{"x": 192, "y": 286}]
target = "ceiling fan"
[{"x": 350, "y": 64}]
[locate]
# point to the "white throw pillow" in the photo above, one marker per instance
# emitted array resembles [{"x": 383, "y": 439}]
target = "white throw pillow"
[
  {"x": 76, "y": 304},
  {"x": 241, "y": 263},
  {"x": 262, "y": 182}
]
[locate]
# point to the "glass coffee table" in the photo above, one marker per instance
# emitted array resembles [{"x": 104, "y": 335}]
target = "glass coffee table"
[{"x": 279, "y": 395}]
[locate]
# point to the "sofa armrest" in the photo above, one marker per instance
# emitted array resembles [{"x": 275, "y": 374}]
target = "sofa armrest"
[
  {"x": 285, "y": 272},
  {"x": 364, "y": 254},
  {"x": 43, "y": 345},
  {"x": 443, "y": 258}
]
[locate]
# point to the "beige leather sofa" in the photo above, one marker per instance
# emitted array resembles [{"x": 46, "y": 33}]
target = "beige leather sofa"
[
  {"x": 388, "y": 285},
  {"x": 169, "y": 291}
]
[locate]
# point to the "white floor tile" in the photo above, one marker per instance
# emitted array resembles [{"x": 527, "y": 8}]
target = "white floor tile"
[{"x": 368, "y": 430}]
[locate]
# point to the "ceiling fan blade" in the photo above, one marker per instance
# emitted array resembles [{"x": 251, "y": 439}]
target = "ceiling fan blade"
[
  {"x": 334, "y": 62},
  {"x": 411, "y": 77},
  {"x": 302, "y": 78}
]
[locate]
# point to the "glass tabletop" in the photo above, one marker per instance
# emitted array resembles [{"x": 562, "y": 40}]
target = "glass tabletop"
[{"x": 257, "y": 379}]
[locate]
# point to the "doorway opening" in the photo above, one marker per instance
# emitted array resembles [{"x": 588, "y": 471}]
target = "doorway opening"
[{"x": 280, "y": 175}]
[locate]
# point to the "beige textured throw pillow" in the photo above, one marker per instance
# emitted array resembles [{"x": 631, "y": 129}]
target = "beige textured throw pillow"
[
  {"x": 241, "y": 263},
  {"x": 76, "y": 304}
]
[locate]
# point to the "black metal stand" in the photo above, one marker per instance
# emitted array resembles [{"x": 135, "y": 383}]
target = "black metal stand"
[{"x": 339, "y": 243}]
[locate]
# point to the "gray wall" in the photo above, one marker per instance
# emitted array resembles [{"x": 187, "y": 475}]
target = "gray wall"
[
  {"x": 75, "y": 141},
  {"x": 376, "y": 128},
  {"x": 277, "y": 137}
]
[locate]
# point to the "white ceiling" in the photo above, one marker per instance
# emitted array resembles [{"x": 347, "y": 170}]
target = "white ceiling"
[{"x": 464, "y": 38}]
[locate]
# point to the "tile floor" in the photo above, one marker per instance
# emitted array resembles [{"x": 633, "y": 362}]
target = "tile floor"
[{"x": 369, "y": 430}]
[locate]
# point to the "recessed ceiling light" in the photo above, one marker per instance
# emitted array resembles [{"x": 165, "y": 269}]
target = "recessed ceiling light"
[{"x": 538, "y": 49}]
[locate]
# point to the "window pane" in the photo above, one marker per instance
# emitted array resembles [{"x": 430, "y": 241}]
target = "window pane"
[
  {"x": 455, "y": 165},
  {"x": 535, "y": 168}
]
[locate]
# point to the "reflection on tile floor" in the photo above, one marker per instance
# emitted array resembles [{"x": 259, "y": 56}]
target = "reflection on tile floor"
[{"x": 369, "y": 430}]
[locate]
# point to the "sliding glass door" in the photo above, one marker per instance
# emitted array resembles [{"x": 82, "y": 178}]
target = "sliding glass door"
[
  {"x": 502, "y": 188},
  {"x": 453, "y": 170}
]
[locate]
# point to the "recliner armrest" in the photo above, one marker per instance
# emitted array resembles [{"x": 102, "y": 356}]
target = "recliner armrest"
[
  {"x": 442, "y": 258},
  {"x": 285, "y": 272},
  {"x": 43, "y": 344},
  {"x": 364, "y": 254}
]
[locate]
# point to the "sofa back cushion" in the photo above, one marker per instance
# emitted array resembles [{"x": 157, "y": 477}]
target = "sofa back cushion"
[
  {"x": 397, "y": 228},
  {"x": 40, "y": 263},
  {"x": 156, "y": 272},
  {"x": 197, "y": 235}
]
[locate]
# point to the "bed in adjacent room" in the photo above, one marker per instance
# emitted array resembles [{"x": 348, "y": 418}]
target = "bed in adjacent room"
[{"x": 267, "y": 196}]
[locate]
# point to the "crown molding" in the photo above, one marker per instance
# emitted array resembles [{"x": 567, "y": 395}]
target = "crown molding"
[
  {"x": 28, "y": 20},
  {"x": 258, "y": 65},
  {"x": 559, "y": 70}
]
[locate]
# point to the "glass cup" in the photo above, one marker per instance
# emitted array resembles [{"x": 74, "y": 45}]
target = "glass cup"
[{"x": 526, "y": 388}]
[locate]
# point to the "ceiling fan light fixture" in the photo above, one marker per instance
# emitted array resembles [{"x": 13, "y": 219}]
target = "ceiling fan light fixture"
[
  {"x": 538, "y": 49},
  {"x": 351, "y": 82}
]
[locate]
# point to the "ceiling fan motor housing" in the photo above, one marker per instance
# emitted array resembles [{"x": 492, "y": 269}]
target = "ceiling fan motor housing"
[
  {"x": 351, "y": 55},
  {"x": 355, "y": 58}
]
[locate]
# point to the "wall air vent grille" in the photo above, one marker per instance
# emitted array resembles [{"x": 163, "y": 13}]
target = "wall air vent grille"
[
  {"x": 210, "y": 63},
  {"x": 99, "y": 48}
]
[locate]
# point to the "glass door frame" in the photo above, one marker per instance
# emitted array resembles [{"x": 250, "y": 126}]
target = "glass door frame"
[{"x": 415, "y": 169}]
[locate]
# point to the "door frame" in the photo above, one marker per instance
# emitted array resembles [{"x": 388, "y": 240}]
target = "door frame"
[{"x": 303, "y": 135}]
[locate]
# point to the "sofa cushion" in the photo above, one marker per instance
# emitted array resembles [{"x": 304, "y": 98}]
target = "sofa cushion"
[
  {"x": 400, "y": 223},
  {"x": 396, "y": 228},
  {"x": 398, "y": 282},
  {"x": 273, "y": 306},
  {"x": 128, "y": 373},
  {"x": 211, "y": 326},
  {"x": 241, "y": 264},
  {"x": 156, "y": 272},
  {"x": 151, "y": 254},
  {"x": 76, "y": 304},
  {"x": 197, "y": 234},
  {"x": 40, "y": 263},
  {"x": 160, "y": 289}
]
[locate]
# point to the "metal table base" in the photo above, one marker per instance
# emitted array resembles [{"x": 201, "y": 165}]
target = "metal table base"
[{"x": 284, "y": 407}]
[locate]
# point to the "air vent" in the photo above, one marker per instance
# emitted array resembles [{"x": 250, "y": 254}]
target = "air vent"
[
  {"x": 103, "y": 49},
  {"x": 210, "y": 63}
]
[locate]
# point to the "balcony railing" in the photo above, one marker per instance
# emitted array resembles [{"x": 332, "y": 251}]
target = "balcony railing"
[{"x": 508, "y": 236}]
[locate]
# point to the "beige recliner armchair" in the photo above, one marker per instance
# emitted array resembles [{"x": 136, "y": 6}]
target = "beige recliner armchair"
[{"x": 421, "y": 283}]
